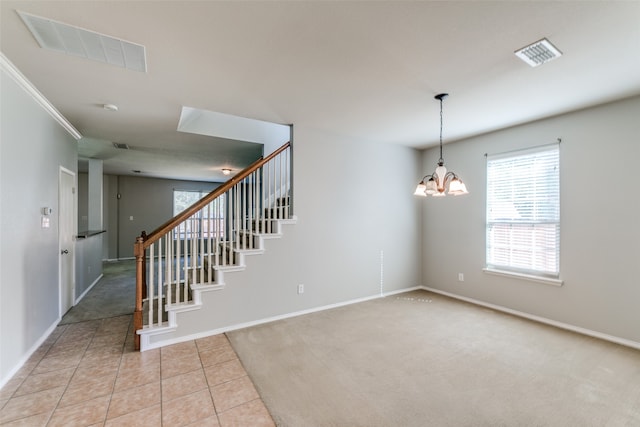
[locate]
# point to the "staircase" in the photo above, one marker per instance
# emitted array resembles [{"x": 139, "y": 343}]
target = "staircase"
[{"x": 191, "y": 253}]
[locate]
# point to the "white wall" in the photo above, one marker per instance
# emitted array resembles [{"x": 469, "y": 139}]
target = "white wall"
[
  {"x": 353, "y": 200},
  {"x": 600, "y": 236},
  {"x": 33, "y": 148}
]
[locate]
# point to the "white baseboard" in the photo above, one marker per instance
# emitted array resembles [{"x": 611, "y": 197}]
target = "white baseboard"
[
  {"x": 561, "y": 325},
  {"x": 88, "y": 289},
  {"x": 29, "y": 353},
  {"x": 150, "y": 346}
]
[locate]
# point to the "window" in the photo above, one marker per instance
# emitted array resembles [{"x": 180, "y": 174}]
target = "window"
[
  {"x": 523, "y": 212},
  {"x": 210, "y": 219}
]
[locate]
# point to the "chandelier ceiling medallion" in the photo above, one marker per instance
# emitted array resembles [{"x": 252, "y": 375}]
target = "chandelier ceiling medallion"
[{"x": 437, "y": 183}]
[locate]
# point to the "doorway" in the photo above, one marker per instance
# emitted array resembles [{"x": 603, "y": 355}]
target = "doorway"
[{"x": 66, "y": 231}]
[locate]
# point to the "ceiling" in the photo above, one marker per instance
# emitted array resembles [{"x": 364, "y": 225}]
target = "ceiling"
[{"x": 363, "y": 70}]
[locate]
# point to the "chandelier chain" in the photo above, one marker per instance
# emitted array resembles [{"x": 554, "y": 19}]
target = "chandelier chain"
[{"x": 441, "y": 159}]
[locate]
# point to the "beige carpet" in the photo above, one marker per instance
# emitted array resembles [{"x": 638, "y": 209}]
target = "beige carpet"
[{"x": 420, "y": 359}]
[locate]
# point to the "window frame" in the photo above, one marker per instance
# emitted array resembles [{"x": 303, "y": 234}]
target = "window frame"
[
  {"x": 185, "y": 230},
  {"x": 531, "y": 215}
]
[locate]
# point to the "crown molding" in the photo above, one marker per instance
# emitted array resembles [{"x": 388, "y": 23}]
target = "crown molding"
[{"x": 24, "y": 83}]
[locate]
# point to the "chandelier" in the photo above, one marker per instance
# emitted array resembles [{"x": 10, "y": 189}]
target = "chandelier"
[{"x": 440, "y": 180}]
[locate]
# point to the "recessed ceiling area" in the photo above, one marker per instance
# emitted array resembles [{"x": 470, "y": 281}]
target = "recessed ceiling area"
[{"x": 366, "y": 71}]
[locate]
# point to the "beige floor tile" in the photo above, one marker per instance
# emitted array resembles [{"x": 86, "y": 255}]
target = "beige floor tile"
[
  {"x": 233, "y": 393},
  {"x": 57, "y": 363},
  {"x": 2, "y": 402},
  {"x": 253, "y": 414},
  {"x": 180, "y": 350},
  {"x": 183, "y": 384},
  {"x": 37, "y": 356},
  {"x": 79, "y": 344},
  {"x": 27, "y": 368},
  {"x": 32, "y": 421},
  {"x": 138, "y": 360},
  {"x": 211, "y": 421},
  {"x": 114, "y": 325},
  {"x": 134, "y": 399},
  {"x": 75, "y": 335},
  {"x": 131, "y": 379},
  {"x": 223, "y": 372},
  {"x": 147, "y": 417},
  {"x": 10, "y": 387},
  {"x": 172, "y": 367},
  {"x": 131, "y": 369},
  {"x": 217, "y": 355},
  {"x": 31, "y": 404},
  {"x": 51, "y": 339},
  {"x": 82, "y": 391},
  {"x": 82, "y": 414},
  {"x": 187, "y": 409},
  {"x": 86, "y": 373},
  {"x": 211, "y": 342},
  {"x": 110, "y": 340},
  {"x": 109, "y": 356},
  {"x": 46, "y": 381}
]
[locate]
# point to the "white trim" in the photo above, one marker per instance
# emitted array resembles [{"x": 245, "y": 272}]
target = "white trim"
[
  {"x": 88, "y": 289},
  {"x": 29, "y": 353},
  {"x": 530, "y": 277},
  {"x": 28, "y": 87},
  {"x": 74, "y": 232},
  {"x": 145, "y": 345},
  {"x": 561, "y": 325}
]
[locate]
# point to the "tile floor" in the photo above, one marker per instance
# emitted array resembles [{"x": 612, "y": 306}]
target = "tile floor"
[{"x": 87, "y": 374}]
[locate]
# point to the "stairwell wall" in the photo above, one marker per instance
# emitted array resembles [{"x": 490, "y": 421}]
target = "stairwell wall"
[
  {"x": 354, "y": 202},
  {"x": 33, "y": 148},
  {"x": 600, "y": 236}
]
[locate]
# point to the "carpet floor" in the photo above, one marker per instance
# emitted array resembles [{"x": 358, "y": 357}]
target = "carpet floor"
[
  {"x": 421, "y": 359},
  {"x": 113, "y": 295}
]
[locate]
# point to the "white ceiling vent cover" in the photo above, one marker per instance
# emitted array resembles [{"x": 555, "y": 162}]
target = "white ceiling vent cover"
[
  {"x": 538, "y": 53},
  {"x": 86, "y": 44}
]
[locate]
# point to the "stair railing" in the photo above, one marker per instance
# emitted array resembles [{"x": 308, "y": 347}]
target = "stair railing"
[{"x": 186, "y": 251}]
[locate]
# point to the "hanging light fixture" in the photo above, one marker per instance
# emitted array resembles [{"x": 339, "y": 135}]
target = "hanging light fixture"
[{"x": 439, "y": 181}]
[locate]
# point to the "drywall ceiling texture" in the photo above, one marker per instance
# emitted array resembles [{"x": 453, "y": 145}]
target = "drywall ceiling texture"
[
  {"x": 33, "y": 148},
  {"x": 600, "y": 239},
  {"x": 365, "y": 70}
]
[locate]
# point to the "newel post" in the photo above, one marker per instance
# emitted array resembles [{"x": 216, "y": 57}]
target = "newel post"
[{"x": 138, "y": 252}]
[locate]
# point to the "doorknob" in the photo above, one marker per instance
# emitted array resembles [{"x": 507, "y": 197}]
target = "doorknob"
[{"x": 64, "y": 251}]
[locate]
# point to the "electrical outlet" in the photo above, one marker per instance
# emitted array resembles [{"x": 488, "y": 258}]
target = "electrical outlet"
[
  {"x": 460, "y": 277},
  {"x": 300, "y": 289}
]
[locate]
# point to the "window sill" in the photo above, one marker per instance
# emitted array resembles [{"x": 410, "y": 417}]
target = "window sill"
[{"x": 530, "y": 277}]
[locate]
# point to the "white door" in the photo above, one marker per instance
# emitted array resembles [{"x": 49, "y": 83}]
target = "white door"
[{"x": 66, "y": 231}]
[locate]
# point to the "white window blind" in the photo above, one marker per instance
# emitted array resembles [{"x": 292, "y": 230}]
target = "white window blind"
[{"x": 523, "y": 211}]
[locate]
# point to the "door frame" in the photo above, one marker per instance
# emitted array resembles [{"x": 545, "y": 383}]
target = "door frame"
[{"x": 73, "y": 231}]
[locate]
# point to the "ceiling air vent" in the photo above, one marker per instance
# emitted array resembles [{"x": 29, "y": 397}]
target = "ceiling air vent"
[
  {"x": 77, "y": 41},
  {"x": 538, "y": 53},
  {"x": 121, "y": 145}
]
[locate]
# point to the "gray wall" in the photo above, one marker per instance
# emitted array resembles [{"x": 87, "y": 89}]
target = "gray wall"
[
  {"x": 148, "y": 200},
  {"x": 600, "y": 237},
  {"x": 88, "y": 253},
  {"x": 83, "y": 201},
  {"x": 353, "y": 200},
  {"x": 33, "y": 148}
]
